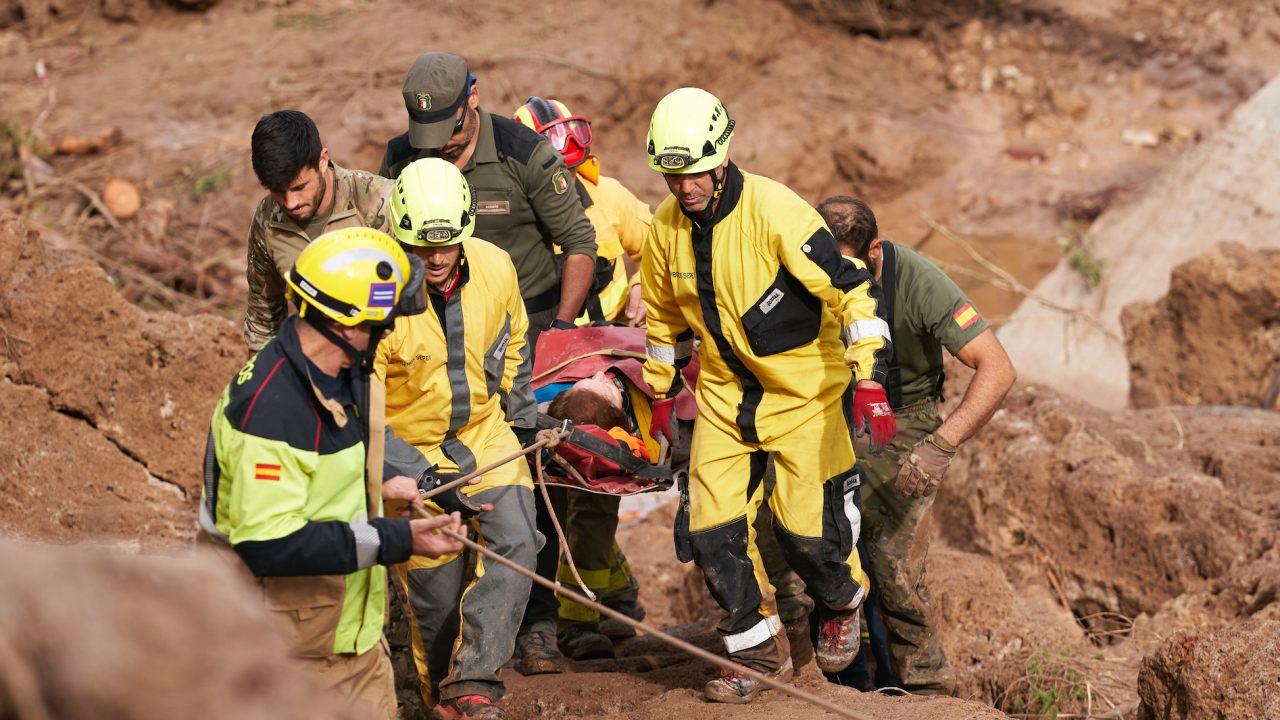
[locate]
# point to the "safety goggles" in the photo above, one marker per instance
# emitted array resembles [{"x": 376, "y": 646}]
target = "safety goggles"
[{"x": 561, "y": 131}]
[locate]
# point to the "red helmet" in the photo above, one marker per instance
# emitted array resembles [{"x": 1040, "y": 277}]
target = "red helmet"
[{"x": 568, "y": 133}]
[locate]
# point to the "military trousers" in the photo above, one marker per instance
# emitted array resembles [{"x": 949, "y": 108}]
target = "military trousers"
[
  {"x": 816, "y": 520},
  {"x": 895, "y": 531}
]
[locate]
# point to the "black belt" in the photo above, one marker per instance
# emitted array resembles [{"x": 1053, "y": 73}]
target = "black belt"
[{"x": 543, "y": 302}]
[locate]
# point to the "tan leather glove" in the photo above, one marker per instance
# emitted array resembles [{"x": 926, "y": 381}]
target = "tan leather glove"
[{"x": 924, "y": 467}]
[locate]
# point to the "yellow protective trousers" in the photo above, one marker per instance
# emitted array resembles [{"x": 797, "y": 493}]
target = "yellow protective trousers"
[
  {"x": 816, "y": 520},
  {"x": 464, "y": 619}
]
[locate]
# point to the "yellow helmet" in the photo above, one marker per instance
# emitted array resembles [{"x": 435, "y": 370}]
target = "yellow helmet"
[
  {"x": 689, "y": 132},
  {"x": 432, "y": 204},
  {"x": 357, "y": 275}
]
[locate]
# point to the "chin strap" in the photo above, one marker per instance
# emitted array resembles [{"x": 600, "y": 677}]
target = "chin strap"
[{"x": 364, "y": 360}]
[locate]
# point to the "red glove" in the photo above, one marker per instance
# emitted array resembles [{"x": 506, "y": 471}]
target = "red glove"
[
  {"x": 661, "y": 422},
  {"x": 872, "y": 407}
]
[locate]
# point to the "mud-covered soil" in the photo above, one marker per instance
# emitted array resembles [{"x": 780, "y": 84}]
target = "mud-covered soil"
[
  {"x": 1002, "y": 120},
  {"x": 1071, "y": 539},
  {"x": 104, "y": 407},
  {"x": 1214, "y": 339}
]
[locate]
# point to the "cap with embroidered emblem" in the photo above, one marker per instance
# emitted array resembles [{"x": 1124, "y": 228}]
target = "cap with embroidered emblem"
[{"x": 436, "y": 86}]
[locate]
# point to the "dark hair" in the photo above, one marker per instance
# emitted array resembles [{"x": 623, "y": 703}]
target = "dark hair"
[
  {"x": 284, "y": 143},
  {"x": 583, "y": 407},
  {"x": 852, "y": 223}
]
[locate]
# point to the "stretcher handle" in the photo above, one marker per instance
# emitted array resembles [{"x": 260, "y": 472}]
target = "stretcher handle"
[{"x": 546, "y": 440}]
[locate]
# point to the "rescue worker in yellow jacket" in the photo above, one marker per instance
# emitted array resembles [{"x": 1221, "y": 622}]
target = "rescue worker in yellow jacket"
[
  {"x": 621, "y": 221},
  {"x": 455, "y": 378},
  {"x": 746, "y": 264},
  {"x": 620, "y": 218},
  {"x": 294, "y": 468}
]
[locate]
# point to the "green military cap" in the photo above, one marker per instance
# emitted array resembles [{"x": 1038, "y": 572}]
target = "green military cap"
[{"x": 437, "y": 85}]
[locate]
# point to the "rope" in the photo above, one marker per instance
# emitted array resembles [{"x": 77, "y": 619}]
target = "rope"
[
  {"x": 564, "y": 544},
  {"x": 552, "y": 438},
  {"x": 552, "y": 441},
  {"x": 693, "y": 650}
]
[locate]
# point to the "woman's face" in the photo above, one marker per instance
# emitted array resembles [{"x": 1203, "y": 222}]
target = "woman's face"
[{"x": 601, "y": 384}]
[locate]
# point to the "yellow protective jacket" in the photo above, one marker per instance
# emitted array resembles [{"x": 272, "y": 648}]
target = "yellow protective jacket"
[
  {"x": 763, "y": 283},
  {"x": 458, "y": 364},
  {"x": 622, "y": 222}
]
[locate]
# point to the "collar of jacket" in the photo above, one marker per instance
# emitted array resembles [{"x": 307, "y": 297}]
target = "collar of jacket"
[
  {"x": 486, "y": 147},
  {"x": 343, "y": 205},
  {"x": 287, "y": 336},
  {"x": 729, "y": 197},
  {"x": 590, "y": 170},
  {"x": 464, "y": 274}
]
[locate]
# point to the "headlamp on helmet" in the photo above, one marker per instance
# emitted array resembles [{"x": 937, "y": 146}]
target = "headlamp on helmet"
[
  {"x": 432, "y": 204},
  {"x": 689, "y": 118}
]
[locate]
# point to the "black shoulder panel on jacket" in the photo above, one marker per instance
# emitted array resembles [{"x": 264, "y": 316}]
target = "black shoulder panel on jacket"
[
  {"x": 822, "y": 249},
  {"x": 514, "y": 139},
  {"x": 398, "y": 149},
  {"x": 273, "y": 402}
]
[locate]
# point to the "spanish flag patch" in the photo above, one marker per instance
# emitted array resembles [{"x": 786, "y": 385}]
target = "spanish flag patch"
[
  {"x": 965, "y": 316},
  {"x": 263, "y": 471}
]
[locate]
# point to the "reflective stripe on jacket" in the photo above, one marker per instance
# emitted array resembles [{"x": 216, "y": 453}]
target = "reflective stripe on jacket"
[
  {"x": 462, "y": 360},
  {"x": 763, "y": 283},
  {"x": 286, "y": 488}
]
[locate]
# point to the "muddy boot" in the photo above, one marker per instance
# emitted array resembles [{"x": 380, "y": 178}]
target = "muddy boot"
[
  {"x": 771, "y": 657},
  {"x": 469, "y": 707},
  {"x": 538, "y": 654},
  {"x": 839, "y": 635},
  {"x": 617, "y": 630},
  {"x": 582, "y": 641}
]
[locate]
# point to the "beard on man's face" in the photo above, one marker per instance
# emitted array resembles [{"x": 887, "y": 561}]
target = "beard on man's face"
[
  {"x": 313, "y": 205},
  {"x": 453, "y": 149}
]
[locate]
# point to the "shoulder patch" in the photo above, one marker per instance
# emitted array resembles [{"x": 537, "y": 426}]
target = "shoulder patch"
[
  {"x": 513, "y": 139},
  {"x": 560, "y": 182}
]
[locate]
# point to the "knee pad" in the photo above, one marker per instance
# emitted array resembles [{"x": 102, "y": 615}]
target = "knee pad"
[{"x": 822, "y": 562}]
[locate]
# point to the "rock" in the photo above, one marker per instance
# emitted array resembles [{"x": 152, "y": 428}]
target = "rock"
[
  {"x": 1070, "y": 102},
  {"x": 89, "y": 633},
  {"x": 1214, "y": 339},
  {"x": 1227, "y": 674},
  {"x": 1131, "y": 508},
  {"x": 121, "y": 198},
  {"x": 1139, "y": 138}
]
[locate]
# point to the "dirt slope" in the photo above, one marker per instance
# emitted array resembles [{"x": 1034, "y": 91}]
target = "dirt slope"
[
  {"x": 1214, "y": 339},
  {"x": 107, "y": 407},
  {"x": 1222, "y": 190}
]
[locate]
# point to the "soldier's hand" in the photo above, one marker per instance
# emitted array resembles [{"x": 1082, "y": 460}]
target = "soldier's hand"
[
  {"x": 636, "y": 310},
  {"x": 428, "y": 542},
  {"x": 403, "y": 488},
  {"x": 926, "y": 463}
]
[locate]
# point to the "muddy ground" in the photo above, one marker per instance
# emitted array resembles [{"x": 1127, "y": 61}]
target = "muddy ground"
[{"x": 1072, "y": 541}]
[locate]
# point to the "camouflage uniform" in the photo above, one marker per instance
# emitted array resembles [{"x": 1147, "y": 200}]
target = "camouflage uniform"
[
  {"x": 895, "y": 531},
  {"x": 360, "y": 199}
]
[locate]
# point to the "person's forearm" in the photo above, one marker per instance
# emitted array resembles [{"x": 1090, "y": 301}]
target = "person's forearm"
[
  {"x": 985, "y": 393},
  {"x": 574, "y": 285}
]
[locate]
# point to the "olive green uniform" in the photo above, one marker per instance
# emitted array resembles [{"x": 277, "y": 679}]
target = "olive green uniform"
[
  {"x": 929, "y": 312},
  {"x": 360, "y": 199},
  {"x": 526, "y": 202}
]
